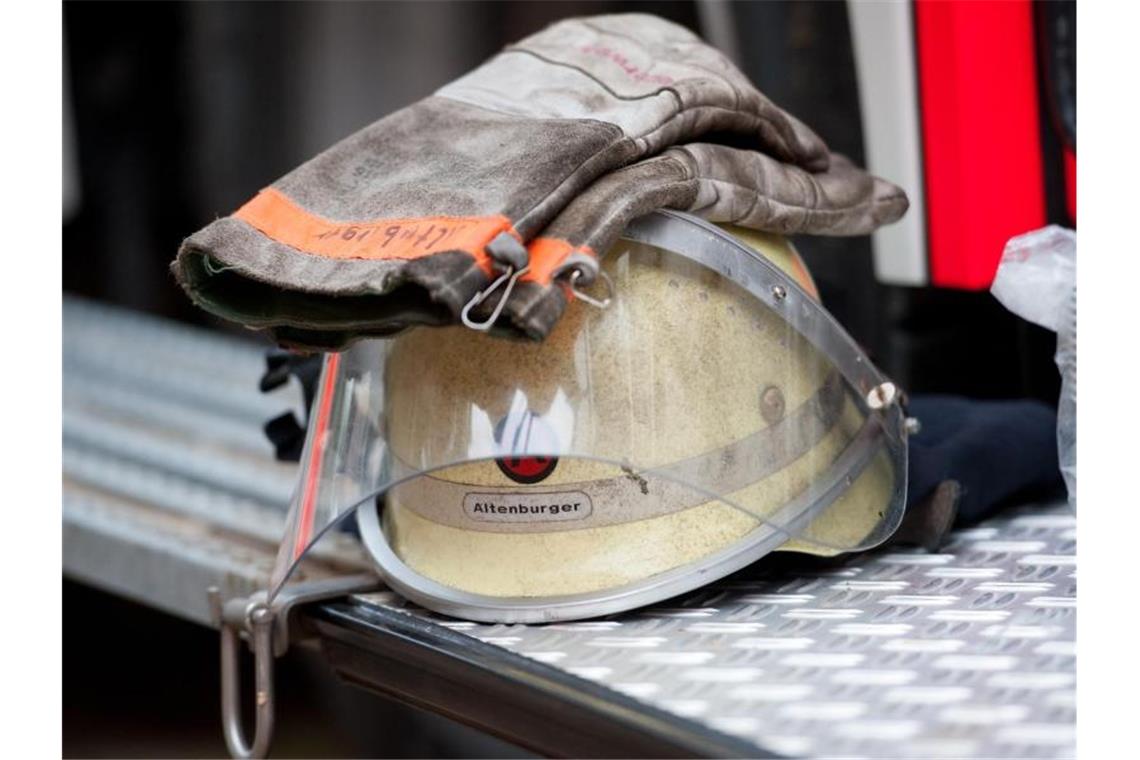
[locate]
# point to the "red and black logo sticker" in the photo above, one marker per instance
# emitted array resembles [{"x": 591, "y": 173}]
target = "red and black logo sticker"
[
  {"x": 527, "y": 432},
  {"x": 527, "y": 469}
]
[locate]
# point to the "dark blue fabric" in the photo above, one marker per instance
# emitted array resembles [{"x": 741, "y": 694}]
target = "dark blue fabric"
[{"x": 995, "y": 450}]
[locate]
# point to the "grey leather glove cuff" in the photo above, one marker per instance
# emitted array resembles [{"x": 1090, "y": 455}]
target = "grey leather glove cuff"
[{"x": 407, "y": 220}]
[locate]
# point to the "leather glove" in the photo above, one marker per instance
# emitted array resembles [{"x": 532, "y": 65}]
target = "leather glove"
[
  {"x": 716, "y": 182},
  {"x": 407, "y": 220}
]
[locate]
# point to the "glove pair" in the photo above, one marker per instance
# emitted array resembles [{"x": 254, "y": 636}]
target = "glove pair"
[{"x": 488, "y": 200}]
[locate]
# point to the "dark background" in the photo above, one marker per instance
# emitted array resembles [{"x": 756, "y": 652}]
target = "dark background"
[
  {"x": 182, "y": 111},
  {"x": 177, "y": 113}
]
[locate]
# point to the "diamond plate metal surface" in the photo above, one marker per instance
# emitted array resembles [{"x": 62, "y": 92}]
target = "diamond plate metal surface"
[
  {"x": 169, "y": 485},
  {"x": 966, "y": 653}
]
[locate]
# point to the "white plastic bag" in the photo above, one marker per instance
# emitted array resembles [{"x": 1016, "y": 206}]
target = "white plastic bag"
[{"x": 1037, "y": 280}]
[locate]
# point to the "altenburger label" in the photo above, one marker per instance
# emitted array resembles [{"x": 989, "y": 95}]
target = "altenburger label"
[{"x": 531, "y": 507}]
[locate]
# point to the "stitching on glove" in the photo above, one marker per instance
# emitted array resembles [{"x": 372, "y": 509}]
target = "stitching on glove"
[{"x": 587, "y": 74}]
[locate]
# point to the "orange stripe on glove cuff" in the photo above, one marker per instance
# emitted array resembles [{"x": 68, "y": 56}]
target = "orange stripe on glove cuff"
[{"x": 275, "y": 215}]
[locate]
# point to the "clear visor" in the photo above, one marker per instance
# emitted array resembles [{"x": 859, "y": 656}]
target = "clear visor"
[{"x": 712, "y": 412}]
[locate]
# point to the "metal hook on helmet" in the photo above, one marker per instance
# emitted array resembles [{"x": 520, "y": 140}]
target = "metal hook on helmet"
[
  {"x": 510, "y": 277},
  {"x": 601, "y": 304}
]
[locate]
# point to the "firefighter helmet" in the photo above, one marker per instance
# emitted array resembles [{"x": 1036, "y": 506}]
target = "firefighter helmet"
[{"x": 713, "y": 413}]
